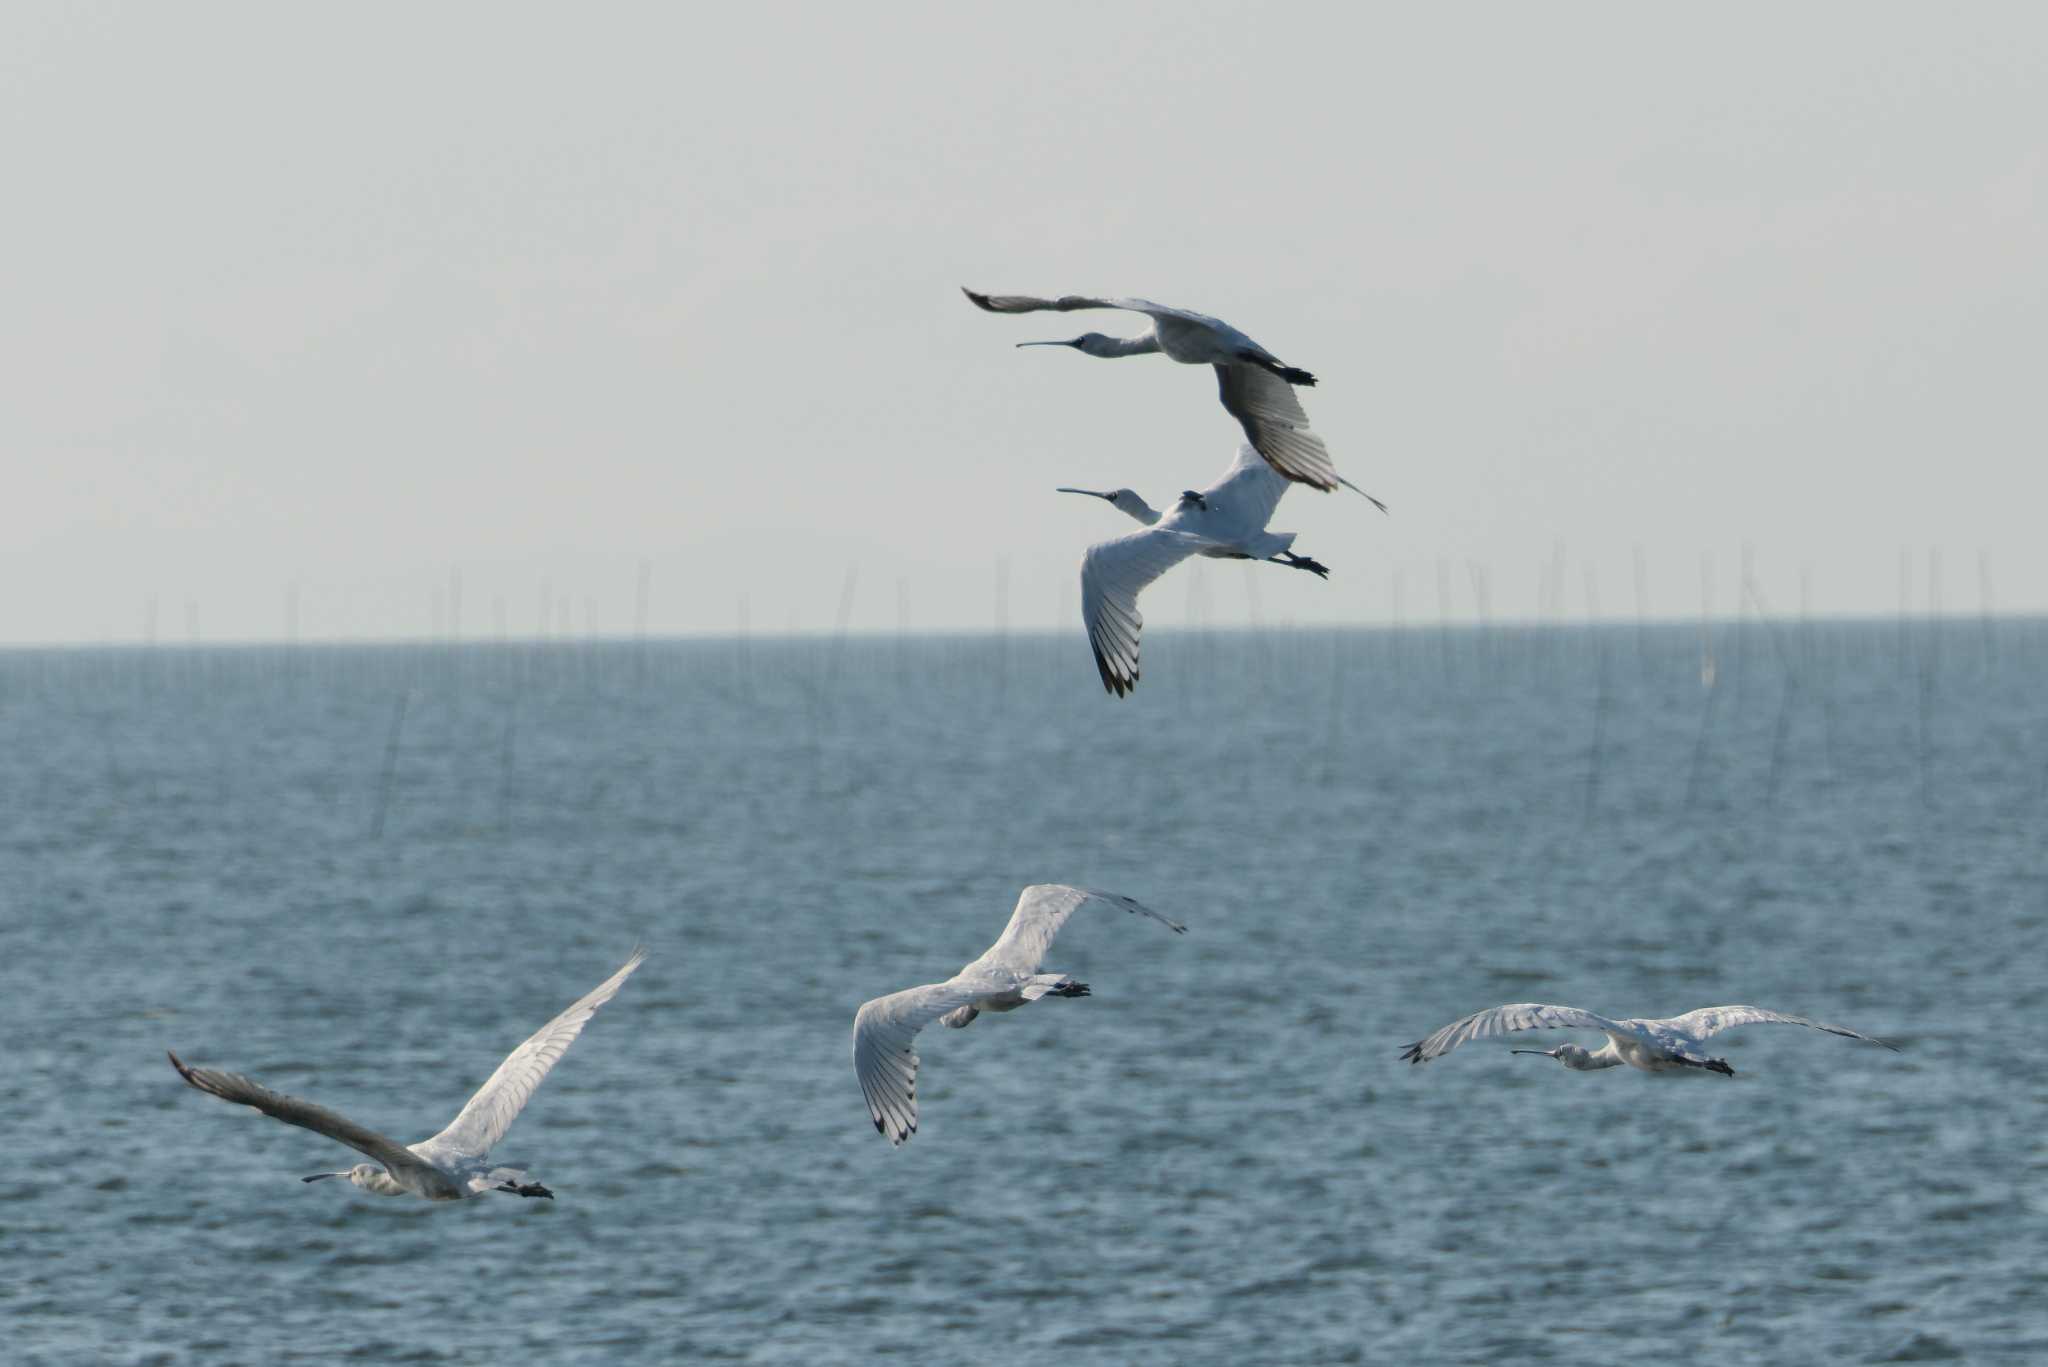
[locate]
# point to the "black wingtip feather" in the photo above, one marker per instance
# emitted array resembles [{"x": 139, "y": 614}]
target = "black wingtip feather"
[
  {"x": 1111, "y": 681},
  {"x": 191, "y": 1077}
]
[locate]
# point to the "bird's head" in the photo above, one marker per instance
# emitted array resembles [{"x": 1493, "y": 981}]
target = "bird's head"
[
  {"x": 1570, "y": 1055},
  {"x": 360, "y": 1174},
  {"x": 1089, "y": 343}
]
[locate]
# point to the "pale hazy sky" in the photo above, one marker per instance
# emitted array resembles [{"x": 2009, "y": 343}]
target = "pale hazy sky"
[{"x": 375, "y": 299}]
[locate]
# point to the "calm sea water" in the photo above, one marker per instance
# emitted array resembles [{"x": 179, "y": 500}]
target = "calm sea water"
[{"x": 363, "y": 874}]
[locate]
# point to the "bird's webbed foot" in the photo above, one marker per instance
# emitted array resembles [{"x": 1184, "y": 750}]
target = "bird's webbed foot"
[
  {"x": 1071, "y": 989},
  {"x": 525, "y": 1189}
]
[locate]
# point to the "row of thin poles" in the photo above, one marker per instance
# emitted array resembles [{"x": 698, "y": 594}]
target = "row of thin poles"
[
  {"x": 555, "y": 620},
  {"x": 1729, "y": 654},
  {"x": 1627, "y": 673}
]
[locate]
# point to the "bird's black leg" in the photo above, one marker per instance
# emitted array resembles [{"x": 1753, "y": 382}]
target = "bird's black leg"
[
  {"x": 1712, "y": 1065},
  {"x": 1302, "y": 562},
  {"x": 525, "y": 1189},
  {"x": 1071, "y": 989}
]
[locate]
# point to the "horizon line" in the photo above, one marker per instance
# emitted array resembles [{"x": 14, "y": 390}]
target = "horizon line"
[{"x": 1918, "y": 619}]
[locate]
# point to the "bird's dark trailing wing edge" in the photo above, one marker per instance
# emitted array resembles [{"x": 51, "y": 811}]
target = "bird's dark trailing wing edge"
[
  {"x": 246, "y": 1091},
  {"x": 1275, "y": 424}
]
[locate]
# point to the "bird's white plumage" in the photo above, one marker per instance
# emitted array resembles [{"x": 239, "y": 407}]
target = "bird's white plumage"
[
  {"x": 1068, "y": 303},
  {"x": 1226, "y": 521},
  {"x": 884, "y": 1049},
  {"x": 1502, "y": 1020},
  {"x": 1113, "y": 574},
  {"x": 1041, "y": 910},
  {"x": 452, "y": 1164},
  {"x": 1004, "y": 978},
  {"x": 1242, "y": 502},
  {"x": 1712, "y": 1020},
  {"x": 1641, "y": 1042},
  {"x": 483, "y": 1120},
  {"x": 1253, "y": 385}
]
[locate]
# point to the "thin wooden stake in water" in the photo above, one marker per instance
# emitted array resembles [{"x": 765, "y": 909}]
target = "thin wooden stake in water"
[
  {"x": 1905, "y": 596},
  {"x": 1782, "y": 730},
  {"x": 390, "y": 764},
  {"x": 742, "y": 662},
  {"x": 1699, "y": 748},
  {"x": 1593, "y": 761},
  {"x": 291, "y": 636},
  {"x": 1443, "y": 617},
  {"x": 839, "y": 626},
  {"x": 1488, "y": 649},
  {"x": 642, "y": 592},
  {"x": 1984, "y": 606},
  {"x": 1930, "y": 663},
  {"x": 902, "y": 631},
  {"x": 1742, "y": 633},
  {"x": 1642, "y": 612},
  {"x": 1002, "y": 679},
  {"x": 505, "y": 769}
]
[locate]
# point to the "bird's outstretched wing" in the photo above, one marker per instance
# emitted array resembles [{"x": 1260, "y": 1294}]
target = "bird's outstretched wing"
[
  {"x": 1113, "y": 574},
  {"x": 885, "y": 1050},
  {"x": 488, "y": 1114},
  {"x": 1276, "y": 425},
  {"x": 1250, "y": 488},
  {"x": 246, "y": 1091},
  {"x": 1501, "y": 1020},
  {"x": 1041, "y": 911},
  {"x": 1712, "y": 1020},
  {"x": 1068, "y": 303}
]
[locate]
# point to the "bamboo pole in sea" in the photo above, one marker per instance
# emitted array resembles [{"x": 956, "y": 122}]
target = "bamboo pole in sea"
[
  {"x": 1601, "y": 700},
  {"x": 390, "y": 773}
]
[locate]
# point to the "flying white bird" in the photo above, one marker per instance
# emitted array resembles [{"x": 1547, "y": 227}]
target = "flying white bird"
[
  {"x": 885, "y": 1029},
  {"x": 1656, "y": 1046},
  {"x": 452, "y": 1165},
  {"x": 1226, "y": 521},
  {"x": 1255, "y": 388}
]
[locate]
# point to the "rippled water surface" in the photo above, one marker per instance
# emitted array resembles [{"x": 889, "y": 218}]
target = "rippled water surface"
[{"x": 363, "y": 874}]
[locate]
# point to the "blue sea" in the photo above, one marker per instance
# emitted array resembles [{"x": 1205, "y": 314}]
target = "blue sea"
[{"x": 363, "y": 874}]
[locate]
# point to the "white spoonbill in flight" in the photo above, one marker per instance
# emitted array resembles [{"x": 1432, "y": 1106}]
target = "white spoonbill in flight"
[
  {"x": 453, "y": 1164},
  {"x": 1226, "y": 521},
  {"x": 1255, "y": 388},
  {"x": 885, "y": 1029},
  {"x": 1673, "y": 1046}
]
